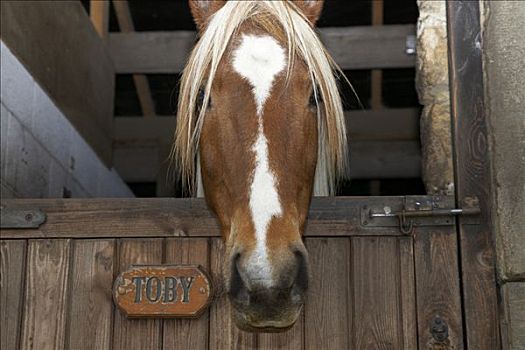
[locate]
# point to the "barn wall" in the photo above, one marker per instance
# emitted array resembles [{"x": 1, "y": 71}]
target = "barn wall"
[
  {"x": 59, "y": 46},
  {"x": 433, "y": 91},
  {"x": 42, "y": 154},
  {"x": 504, "y": 52}
]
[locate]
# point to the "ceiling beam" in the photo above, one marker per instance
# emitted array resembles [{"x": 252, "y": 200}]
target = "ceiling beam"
[
  {"x": 359, "y": 47},
  {"x": 125, "y": 22}
]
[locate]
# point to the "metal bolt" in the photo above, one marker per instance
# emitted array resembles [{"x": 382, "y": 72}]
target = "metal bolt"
[
  {"x": 387, "y": 210},
  {"x": 29, "y": 217},
  {"x": 365, "y": 222}
]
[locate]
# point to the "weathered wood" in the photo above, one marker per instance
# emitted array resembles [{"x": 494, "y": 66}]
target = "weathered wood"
[
  {"x": 187, "y": 334},
  {"x": 223, "y": 334},
  {"x": 437, "y": 286},
  {"x": 178, "y": 217},
  {"x": 46, "y": 294},
  {"x": 352, "y": 48},
  {"x": 12, "y": 273},
  {"x": 90, "y": 303},
  {"x": 58, "y": 45},
  {"x": 473, "y": 172},
  {"x": 137, "y": 334},
  {"x": 291, "y": 339},
  {"x": 326, "y": 313},
  {"x": 378, "y": 312},
  {"x": 386, "y": 124},
  {"x": 408, "y": 293},
  {"x": 99, "y": 14}
]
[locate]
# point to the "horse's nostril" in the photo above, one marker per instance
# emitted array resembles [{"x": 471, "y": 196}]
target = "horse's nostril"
[
  {"x": 303, "y": 275},
  {"x": 238, "y": 290}
]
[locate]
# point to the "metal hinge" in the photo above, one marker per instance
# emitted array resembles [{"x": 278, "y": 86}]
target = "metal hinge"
[
  {"x": 420, "y": 211},
  {"x": 21, "y": 218}
]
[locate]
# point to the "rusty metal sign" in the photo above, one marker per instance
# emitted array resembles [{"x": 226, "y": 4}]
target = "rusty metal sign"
[{"x": 164, "y": 291}]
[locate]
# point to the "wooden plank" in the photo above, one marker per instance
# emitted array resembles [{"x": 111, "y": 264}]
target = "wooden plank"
[
  {"x": 183, "y": 217},
  {"x": 38, "y": 32},
  {"x": 356, "y": 47},
  {"x": 408, "y": 293},
  {"x": 99, "y": 14},
  {"x": 91, "y": 304},
  {"x": 437, "y": 286},
  {"x": 291, "y": 339},
  {"x": 12, "y": 270},
  {"x": 377, "y": 74},
  {"x": 473, "y": 174},
  {"x": 327, "y": 323},
  {"x": 387, "y": 124},
  {"x": 125, "y": 22},
  {"x": 46, "y": 293},
  {"x": 137, "y": 334},
  {"x": 223, "y": 334},
  {"x": 187, "y": 334},
  {"x": 377, "y": 310}
]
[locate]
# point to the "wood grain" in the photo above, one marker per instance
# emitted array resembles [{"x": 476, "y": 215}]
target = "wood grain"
[
  {"x": 181, "y": 217},
  {"x": 377, "y": 310},
  {"x": 327, "y": 321},
  {"x": 473, "y": 174},
  {"x": 12, "y": 273},
  {"x": 437, "y": 286},
  {"x": 408, "y": 293},
  {"x": 187, "y": 334},
  {"x": 223, "y": 333},
  {"x": 46, "y": 294},
  {"x": 91, "y": 304},
  {"x": 291, "y": 339},
  {"x": 140, "y": 333}
]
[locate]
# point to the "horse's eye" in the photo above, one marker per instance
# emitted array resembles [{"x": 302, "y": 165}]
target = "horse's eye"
[
  {"x": 200, "y": 100},
  {"x": 313, "y": 102}
]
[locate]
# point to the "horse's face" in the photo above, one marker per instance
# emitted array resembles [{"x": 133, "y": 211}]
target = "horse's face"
[{"x": 258, "y": 153}]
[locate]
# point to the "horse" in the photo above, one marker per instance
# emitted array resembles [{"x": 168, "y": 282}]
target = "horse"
[{"x": 260, "y": 128}]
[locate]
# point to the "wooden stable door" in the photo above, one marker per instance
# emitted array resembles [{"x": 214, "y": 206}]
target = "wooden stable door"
[{"x": 372, "y": 286}]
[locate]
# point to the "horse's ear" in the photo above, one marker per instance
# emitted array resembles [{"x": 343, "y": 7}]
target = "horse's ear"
[
  {"x": 202, "y": 10},
  {"x": 310, "y": 8}
]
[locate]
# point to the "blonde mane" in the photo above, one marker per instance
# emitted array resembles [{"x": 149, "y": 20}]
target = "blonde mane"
[{"x": 302, "y": 41}]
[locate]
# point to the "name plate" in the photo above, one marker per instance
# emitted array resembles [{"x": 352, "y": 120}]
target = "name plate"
[{"x": 162, "y": 291}]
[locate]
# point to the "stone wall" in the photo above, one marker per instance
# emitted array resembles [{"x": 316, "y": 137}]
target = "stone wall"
[
  {"x": 42, "y": 154},
  {"x": 504, "y": 65},
  {"x": 432, "y": 87}
]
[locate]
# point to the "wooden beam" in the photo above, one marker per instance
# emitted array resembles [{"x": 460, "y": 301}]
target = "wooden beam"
[
  {"x": 377, "y": 74},
  {"x": 99, "y": 14},
  {"x": 387, "y": 124},
  {"x": 368, "y": 160},
  {"x": 360, "y": 47},
  {"x": 56, "y": 42},
  {"x": 187, "y": 217},
  {"x": 125, "y": 22},
  {"x": 383, "y": 144},
  {"x": 473, "y": 175}
]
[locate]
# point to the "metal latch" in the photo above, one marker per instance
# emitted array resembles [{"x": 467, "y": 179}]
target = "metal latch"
[
  {"x": 420, "y": 211},
  {"x": 21, "y": 218}
]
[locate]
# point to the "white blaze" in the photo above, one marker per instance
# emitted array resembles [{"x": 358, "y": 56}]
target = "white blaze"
[{"x": 259, "y": 59}]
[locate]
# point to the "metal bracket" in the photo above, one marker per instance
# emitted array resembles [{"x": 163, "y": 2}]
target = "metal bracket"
[
  {"x": 21, "y": 218},
  {"x": 420, "y": 211}
]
